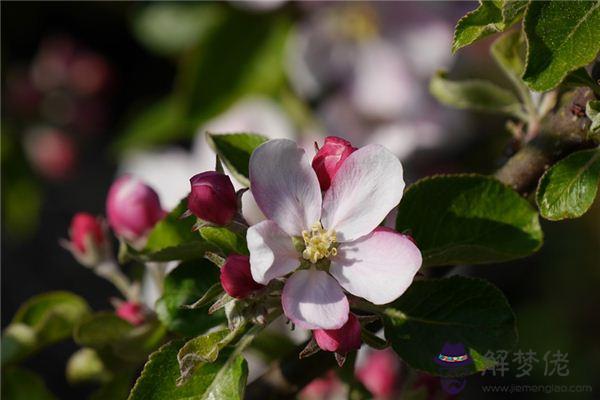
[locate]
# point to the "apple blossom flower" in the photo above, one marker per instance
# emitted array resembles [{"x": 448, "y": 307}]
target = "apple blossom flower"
[
  {"x": 133, "y": 208},
  {"x": 212, "y": 197},
  {"x": 236, "y": 277},
  {"x": 88, "y": 242},
  {"x": 342, "y": 340},
  {"x": 329, "y": 159},
  {"x": 131, "y": 312},
  {"x": 331, "y": 243},
  {"x": 379, "y": 373}
]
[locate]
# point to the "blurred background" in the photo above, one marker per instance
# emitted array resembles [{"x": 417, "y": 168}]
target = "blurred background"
[{"x": 94, "y": 90}]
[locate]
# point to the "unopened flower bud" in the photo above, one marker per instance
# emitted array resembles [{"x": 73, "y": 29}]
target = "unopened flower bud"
[
  {"x": 236, "y": 277},
  {"x": 212, "y": 197},
  {"x": 131, "y": 312},
  {"x": 133, "y": 208},
  {"x": 342, "y": 340},
  {"x": 87, "y": 239},
  {"x": 379, "y": 373},
  {"x": 330, "y": 158}
]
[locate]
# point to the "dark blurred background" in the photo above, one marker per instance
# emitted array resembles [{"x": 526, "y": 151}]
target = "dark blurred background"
[{"x": 84, "y": 88}]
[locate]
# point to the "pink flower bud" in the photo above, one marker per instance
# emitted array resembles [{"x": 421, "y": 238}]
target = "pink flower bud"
[
  {"x": 328, "y": 386},
  {"x": 86, "y": 232},
  {"x": 87, "y": 241},
  {"x": 212, "y": 197},
  {"x": 341, "y": 340},
  {"x": 236, "y": 277},
  {"x": 330, "y": 158},
  {"x": 131, "y": 312},
  {"x": 133, "y": 208},
  {"x": 380, "y": 373}
]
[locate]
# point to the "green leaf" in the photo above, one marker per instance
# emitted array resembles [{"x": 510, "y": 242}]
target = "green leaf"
[
  {"x": 243, "y": 55},
  {"x": 173, "y": 239},
  {"x": 579, "y": 78},
  {"x": 508, "y": 52},
  {"x": 157, "y": 123},
  {"x": 185, "y": 284},
  {"x": 117, "y": 388},
  {"x": 222, "y": 379},
  {"x": 456, "y": 310},
  {"x": 562, "y": 36},
  {"x": 171, "y": 28},
  {"x": 136, "y": 345},
  {"x": 474, "y": 94},
  {"x": 272, "y": 345},
  {"x": 42, "y": 320},
  {"x": 101, "y": 330},
  {"x": 235, "y": 151},
  {"x": 198, "y": 351},
  {"x": 592, "y": 110},
  {"x": 85, "y": 365},
  {"x": 106, "y": 331},
  {"x": 228, "y": 241},
  {"x": 489, "y": 18},
  {"x": 468, "y": 219},
  {"x": 21, "y": 384},
  {"x": 569, "y": 187}
]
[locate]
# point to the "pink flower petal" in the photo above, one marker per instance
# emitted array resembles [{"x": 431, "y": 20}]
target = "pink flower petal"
[
  {"x": 314, "y": 300},
  {"x": 364, "y": 190},
  {"x": 285, "y": 186},
  {"x": 272, "y": 253},
  {"x": 378, "y": 267}
]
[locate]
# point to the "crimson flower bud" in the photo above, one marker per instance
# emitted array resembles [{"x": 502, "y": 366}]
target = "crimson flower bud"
[
  {"x": 236, "y": 277},
  {"x": 340, "y": 340},
  {"x": 330, "y": 158},
  {"x": 131, "y": 312},
  {"x": 212, "y": 197},
  {"x": 87, "y": 239},
  {"x": 133, "y": 208}
]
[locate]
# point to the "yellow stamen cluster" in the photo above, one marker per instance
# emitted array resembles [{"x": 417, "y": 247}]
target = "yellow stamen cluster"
[{"x": 320, "y": 243}]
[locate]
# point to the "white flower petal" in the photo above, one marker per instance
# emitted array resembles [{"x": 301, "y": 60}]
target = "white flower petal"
[
  {"x": 272, "y": 253},
  {"x": 365, "y": 189},
  {"x": 378, "y": 267},
  {"x": 312, "y": 299},
  {"x": 250, "y": 209},
  {"x": 285, "y": 186}
]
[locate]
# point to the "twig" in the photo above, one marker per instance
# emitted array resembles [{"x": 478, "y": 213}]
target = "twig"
[{"x": 562, "y": 132}]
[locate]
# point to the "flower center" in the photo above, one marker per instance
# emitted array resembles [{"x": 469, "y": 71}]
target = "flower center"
[{"x": 320, "y": 243}]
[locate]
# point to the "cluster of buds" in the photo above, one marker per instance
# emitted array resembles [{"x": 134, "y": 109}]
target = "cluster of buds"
[{"x": 133, "y": 208}]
